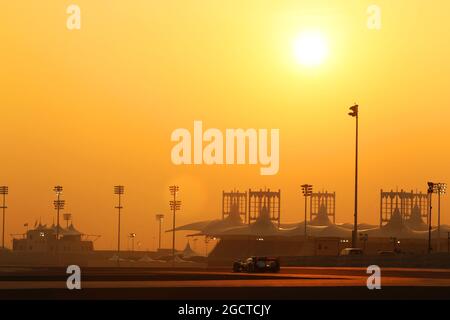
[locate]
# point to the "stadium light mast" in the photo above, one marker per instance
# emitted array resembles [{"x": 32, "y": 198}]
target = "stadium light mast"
[
  {"x": 119, "y": 190},
  {"x": 354, "y": 112},
  {"x": 307, "y": 192},
  {"x": 3, "y": 192},
  {"x": 59, "y": 205},
  {"x": 440, "y": 189},
  {"x": 175, "y": 205},
  {"x": 160, "y": 218}
]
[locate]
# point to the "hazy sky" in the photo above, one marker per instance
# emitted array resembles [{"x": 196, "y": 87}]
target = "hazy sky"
[{"x": 95, "y": 107}]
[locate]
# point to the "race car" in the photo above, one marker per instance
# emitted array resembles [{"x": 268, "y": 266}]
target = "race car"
[{"x": 257, "y": 264}]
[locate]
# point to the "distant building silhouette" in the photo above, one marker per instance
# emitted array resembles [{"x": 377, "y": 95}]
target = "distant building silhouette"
[
  {"x": 269, "y": 200},
  {"x": 43, "y": 239},
  {"x": 403, "y": 228},
  {"x": 234, "y": 204},
  {"x": 322, "y": 206},
  {"x": 405, "y": 202}
]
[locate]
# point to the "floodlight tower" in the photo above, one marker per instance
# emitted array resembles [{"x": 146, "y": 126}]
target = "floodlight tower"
[
  {"x": 430, "y": 193},
  {"x": 59, "y": 205},
  {"x": 307, "y": 192},
  {"x": 119, "y": 190},
  {"x": 175, "y": 205},
  {"x": 67, "y": 217},
  {"x": 354, "y": 112},
  {"x": 3, "y": 192},
  {"x": 441, "y": 188},
  {"x": 160, "y": 218}
]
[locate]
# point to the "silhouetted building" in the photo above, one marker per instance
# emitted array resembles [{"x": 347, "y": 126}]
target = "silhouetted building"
[
  {"x": 43, "y": 239},
  {"x": 269, "y": 200},
  {"x": 406, "y": 202},
  {"x": 322, "y": 206},
  {"x": 234, "y": 203},
  {"x": 402, "y": 229}
]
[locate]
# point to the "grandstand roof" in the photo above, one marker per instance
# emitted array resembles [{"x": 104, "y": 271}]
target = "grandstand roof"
[{"x": 397, "y": 228}]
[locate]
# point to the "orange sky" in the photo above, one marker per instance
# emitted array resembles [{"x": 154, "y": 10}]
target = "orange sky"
[{"x": 95, "y": 107}]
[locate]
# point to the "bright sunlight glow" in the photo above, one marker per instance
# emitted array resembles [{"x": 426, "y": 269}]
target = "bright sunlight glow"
[{"x": 311, "y": 48}]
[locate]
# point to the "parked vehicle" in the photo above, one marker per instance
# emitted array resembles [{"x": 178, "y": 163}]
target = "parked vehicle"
[
  {"x": 257, "y": 264},
  {"x": 387, "y": 253},
  {"x": 352, "y": 252}
]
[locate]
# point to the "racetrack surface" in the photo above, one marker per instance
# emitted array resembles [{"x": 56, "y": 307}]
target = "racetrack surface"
[{"x": 220, "y": 283}]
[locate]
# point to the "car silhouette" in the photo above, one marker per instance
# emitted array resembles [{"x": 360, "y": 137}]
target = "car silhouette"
[{"x": 257, "y": 264}]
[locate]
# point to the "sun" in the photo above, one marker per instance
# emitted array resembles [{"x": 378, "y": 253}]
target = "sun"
[{"x": 311, "y": 48}]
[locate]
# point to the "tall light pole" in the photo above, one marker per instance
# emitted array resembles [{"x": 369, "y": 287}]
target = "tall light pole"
[
  {"x": 442, "y": 189},
  {"x": 160, "y": 218},
  {"x": 439, "y": 188},
  {"x": 59, "y": 205},
  {"x": 354, "y": 112},
  {"x": 307, "y": 192},
  {"x": 3, "y": 192},
  {"x": 175, "y": 205},
  {"x": 430, "y": 193},
  {"x": 119, "y": 190}
]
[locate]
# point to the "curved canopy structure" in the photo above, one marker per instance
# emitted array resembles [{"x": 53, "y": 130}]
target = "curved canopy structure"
[
  {"x": 207, "y": 227},
  {"x": 415, "y": 222},
  {"x": 263, "y": 226},
  {"x": 397, "y": 228},
  {"x": 322, "y": 218},
  {"x": 188, "y": 252}
]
